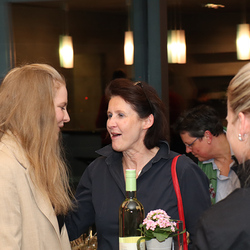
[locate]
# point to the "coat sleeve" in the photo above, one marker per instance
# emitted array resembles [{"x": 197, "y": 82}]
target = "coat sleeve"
[
  {"x": 194, "y": 186},
  {"x": 82, "y": 217},
  {"x": 226, "y": 224},
  {"x": 10, "y": 219}
]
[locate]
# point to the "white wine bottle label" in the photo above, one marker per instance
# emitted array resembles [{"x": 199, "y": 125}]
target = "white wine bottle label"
[{"x": 130, "y": 243}]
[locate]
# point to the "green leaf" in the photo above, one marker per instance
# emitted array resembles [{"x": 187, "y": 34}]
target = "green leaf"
[
  {"x": 161, "y": 236},
  {"x": 149, "y": 234}
]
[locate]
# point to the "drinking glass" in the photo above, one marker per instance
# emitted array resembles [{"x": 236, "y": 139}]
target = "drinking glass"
[{"x": 177, "y": 243}]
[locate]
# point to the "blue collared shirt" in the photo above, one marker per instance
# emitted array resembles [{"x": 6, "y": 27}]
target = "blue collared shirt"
[{"x": 225, "y": 184}]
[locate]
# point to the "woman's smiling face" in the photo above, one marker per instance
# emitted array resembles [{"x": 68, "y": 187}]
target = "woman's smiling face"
[
  {"x": 125, "y": 127},
  {"x": 60, "y": 103}
]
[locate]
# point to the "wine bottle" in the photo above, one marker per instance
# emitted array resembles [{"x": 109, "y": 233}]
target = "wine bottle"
[{"x": 131, "y": 215}]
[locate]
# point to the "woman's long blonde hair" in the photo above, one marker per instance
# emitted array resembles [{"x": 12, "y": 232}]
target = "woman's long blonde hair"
[
  {"x": 238, "y": 91},
  {"x": 27, "y": 110}
]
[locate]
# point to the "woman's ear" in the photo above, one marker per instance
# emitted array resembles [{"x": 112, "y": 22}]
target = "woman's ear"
[
  {"x": 148, "y": 122},
  {"x": 208, "y": 135},
  {"x": 244, "y": 123}
]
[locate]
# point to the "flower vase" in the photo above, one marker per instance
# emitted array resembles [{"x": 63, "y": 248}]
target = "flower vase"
[{"x": 154, "y": 244}]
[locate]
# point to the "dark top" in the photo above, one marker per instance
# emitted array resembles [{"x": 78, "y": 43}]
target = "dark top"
[
  {"x": 60, "y": 220},
  {"x": 226, "y": 224},
  {"x": 101, "y": 191}
]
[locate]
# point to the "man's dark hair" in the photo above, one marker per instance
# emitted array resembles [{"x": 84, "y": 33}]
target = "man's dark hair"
[{"x": 199, "y": 119}]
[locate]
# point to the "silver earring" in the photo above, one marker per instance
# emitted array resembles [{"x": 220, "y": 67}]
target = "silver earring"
[{"x": 240, "y": 137}]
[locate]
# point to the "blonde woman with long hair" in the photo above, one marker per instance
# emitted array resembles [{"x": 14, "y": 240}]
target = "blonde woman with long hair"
[{"x": 34, "y": 183}]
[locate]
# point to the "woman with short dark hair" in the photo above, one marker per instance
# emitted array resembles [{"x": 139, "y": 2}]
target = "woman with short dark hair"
[
  {"x": 138, "y": 128},
  {"x": 202, "y": 132}
]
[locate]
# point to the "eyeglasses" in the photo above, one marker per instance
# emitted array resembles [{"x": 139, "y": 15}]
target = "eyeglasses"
[
  {"x": 191, "y": 144},
  {"x": 150, "y": 104}
]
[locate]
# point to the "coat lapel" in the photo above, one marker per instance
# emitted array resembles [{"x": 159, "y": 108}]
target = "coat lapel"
[
  {"x": 42, "y": 200},
  {"x": 43, "y": 203}
]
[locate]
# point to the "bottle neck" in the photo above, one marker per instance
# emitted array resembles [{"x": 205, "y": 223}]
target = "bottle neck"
[
  {"x": 131, "y": 194},
  {"x": 130, "y": 183}
]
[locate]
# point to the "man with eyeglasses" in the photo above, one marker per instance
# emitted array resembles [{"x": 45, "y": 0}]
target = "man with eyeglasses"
[{"x": 202, "y": 133}]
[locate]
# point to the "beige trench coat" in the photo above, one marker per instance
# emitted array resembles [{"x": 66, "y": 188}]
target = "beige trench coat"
[{"x": 27, "y": 219}]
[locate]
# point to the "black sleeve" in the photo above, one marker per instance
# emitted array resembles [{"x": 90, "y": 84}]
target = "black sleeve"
[
  {"x": 226, "y": 224},
  {"x": 194, "y": 186},
  {"x": 82, "y": 217},
  {"x": 201, "y": 241}
]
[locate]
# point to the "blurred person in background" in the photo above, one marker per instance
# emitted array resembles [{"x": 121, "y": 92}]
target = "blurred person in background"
[{"x": 202, "y": 132}]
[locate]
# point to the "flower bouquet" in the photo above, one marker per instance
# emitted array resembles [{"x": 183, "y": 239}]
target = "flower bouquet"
[{"x": 158, "y": 225}]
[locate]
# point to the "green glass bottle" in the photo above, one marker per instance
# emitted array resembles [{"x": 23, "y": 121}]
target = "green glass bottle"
[{"x": 131, "y": 215}]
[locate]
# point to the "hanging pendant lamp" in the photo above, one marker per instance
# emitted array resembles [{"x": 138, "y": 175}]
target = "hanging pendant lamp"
[
  {"x": 128, "y": 40},
  {"x": 129, "y": 48},
  {"x": 66, "y": 51},
  {"x": 176, "y": 46},
  {"x": 243, "y": 42}
]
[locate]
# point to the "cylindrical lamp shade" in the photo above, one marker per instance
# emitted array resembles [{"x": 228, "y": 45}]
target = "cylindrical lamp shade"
[
  {"x": 243, "y": 41},
  {"x": 176, "y": 46},
  {"x": 66, "y": 52},
  {"x": 128, "y": 48}
]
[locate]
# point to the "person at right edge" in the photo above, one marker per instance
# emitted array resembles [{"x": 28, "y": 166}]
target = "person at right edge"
[
  {"x": 138, "y": 127},
  {"x": 226, "y": 224}
]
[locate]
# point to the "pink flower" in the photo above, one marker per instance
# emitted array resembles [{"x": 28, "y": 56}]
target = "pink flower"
[
  {"x": 159, "y": 225},
  {"x": 158, "y": 218}
]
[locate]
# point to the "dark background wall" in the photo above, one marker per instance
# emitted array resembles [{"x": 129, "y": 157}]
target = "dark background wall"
[{"x": 98, "y": 47}]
